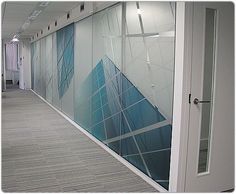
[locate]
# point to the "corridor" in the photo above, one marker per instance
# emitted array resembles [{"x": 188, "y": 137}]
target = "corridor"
[{"x": 41, "y": 151}]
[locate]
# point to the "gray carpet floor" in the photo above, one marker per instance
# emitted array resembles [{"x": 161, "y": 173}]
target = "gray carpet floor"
[{"x": 43, "y": 152}]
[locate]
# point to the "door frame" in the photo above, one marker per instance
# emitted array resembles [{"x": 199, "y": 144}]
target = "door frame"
[{"x": 182, "y": 89}]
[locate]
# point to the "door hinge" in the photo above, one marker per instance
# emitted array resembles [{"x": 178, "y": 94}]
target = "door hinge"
[{"x": 189, "y": 98}]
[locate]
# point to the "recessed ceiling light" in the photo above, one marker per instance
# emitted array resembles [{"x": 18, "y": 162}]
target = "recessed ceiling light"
[{"x": 139, "y": 11}]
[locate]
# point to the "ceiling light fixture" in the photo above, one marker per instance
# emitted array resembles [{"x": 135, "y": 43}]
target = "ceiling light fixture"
[
  {"x": 15, "y": 40},
  {"x": 139, "y": 11}
]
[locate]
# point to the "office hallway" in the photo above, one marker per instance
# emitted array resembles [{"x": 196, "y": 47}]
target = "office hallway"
[{"x": 41, "y": 151}]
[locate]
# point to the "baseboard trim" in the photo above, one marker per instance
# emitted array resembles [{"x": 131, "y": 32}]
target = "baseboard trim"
[{"x": 147, "y": 179}]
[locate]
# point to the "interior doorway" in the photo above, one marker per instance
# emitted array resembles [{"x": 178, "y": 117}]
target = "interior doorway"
[
  {"x": 210, "y": 155},
  {"x": 12, "y": 65}
]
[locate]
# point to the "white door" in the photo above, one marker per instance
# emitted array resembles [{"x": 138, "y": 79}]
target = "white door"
[{"x": 210, "y": 157}]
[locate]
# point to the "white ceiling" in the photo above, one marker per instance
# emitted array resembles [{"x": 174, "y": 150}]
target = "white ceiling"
[{"x": 14, "y": 14}]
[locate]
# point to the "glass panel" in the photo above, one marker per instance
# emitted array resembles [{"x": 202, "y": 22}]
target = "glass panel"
[
  {"x": 83, "y": 77},
  {"x": 48, "y": 68},
  {"x": 136, "y": 161},
  {"x": 158, "y": 164},
  {"x": 157, "y": 16},
  {"x": 37, "y": 68},
  {"x": 207, "y": 90},
  {"x": 99, "y": 131},
  {"x": 113, "y": 75},
  {"x": 32, "y": 48},
  {"x": 156, "y": 139},
  {"x": 149, "y": 56},
  {"x": 43, "y": 66},
  {"x": 68, "y": 97},
  {"x": 65, "y": 68},
  {"x": 55, "y": 93}
]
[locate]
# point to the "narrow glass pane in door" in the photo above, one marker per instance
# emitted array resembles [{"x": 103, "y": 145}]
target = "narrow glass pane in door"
[{"x": 208, "y": 82}]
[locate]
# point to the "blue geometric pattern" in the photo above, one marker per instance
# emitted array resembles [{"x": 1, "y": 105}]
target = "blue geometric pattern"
[
  {"x": 65, "y": 58},
  {"x": 111, "y": 108}
]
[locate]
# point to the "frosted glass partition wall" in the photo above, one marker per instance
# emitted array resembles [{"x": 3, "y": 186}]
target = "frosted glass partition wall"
[
  {"x": 112, "y": 73},
  {"x": 48, "y": 67}
]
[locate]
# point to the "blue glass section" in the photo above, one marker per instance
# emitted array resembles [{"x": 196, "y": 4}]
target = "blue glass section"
[
  {"x": 136, "y": 161},
  {"x": 110, "y": 106},
  {"x": 165, "y": 184},
  {"x": 131, "y": 96},
  {"x": 142, "y": 114},
  {"x": 96, "y": 102},
  {"x": 99, "y": 132},
  {"x": 106, "y": 111},
  {"x": 85, "y": 115},
  {"x": 158, "y": 164},
  {"x": 126, "y": 84},
  {"x": 103, "y": 93},
  {"x": 108, "y": 90},
  {"x": 94, "y": 82},
  {"x": 97, "y": 116},
  {"x": 124, "y": 125},
  {"x": 128, "y": 146},
  {"x": 113, "y": 126},
  {"x": 115, "y": 146},
  {"x": 115, "y": 84},
  {"x": 100, "y": 74},
  {"x": 65, "y": 58},
  {"x": 155, "y": 139}
]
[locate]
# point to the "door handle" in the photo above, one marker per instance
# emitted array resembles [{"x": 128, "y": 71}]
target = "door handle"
[{"x": 196, "y": 101}]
